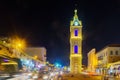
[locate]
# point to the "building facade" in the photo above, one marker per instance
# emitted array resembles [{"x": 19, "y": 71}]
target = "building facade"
[
  {"x": 37, "y": 53},
  {"x": 7, "y": 62},
  {"x": 75, "y": 44},
  {"x": 92, "y": 60},
  {"x": 107, "y": 56}
]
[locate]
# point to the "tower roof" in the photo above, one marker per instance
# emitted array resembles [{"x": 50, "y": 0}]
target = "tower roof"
[
  {"x": 75, "y": 21},
  {"x": 75, "y": 15}
]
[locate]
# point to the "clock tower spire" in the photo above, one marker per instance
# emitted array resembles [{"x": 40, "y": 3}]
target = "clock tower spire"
[{"x": 75, "y": 20}]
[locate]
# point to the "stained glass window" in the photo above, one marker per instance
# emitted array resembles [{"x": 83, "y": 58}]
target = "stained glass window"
[
  {"x": 76, "y": 32},
  {"x": 75, "y": 49}
]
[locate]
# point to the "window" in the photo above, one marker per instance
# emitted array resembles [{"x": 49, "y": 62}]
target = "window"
[
  {"x": 106, "y": 53},
  {"x": 111, "y": 52},
  {"x": 116, "y": 52},
  {"x": 44, "y": 55},
  {"x": 75, "y": 49},
  {"x": 0, "y": 48},
  {"x": 76, "y": 32},
  {"x": 100, "y": 58}
]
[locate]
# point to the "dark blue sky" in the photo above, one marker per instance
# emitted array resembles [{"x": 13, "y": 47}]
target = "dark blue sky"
[{"x": 46, "y": 23}]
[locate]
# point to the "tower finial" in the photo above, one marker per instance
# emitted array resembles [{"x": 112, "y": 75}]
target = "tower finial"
[
  {"x": 75, "y": 15},
  {"x": 75, "y": 11}
]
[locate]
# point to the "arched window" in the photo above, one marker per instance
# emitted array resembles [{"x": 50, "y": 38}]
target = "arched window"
[
  {"x": 111, "y": 52},
  {"x": 76, "y": 49},
  {"x": 76, "y": 32},
  {"x": 116, "y": 52}
]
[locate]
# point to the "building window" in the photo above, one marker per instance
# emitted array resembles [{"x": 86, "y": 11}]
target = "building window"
[
  {"x": 44, "y": 55},
  {"x": 111, "y": 52},
  {"x": 0, "y": 48},
  {"x": 116, "y": 52},
  {"x": 75, "y": 49},
  {"x": 76, "y": 32},
  {"x": 106, "y": 53},
  {"x": 100, "y": 58}
]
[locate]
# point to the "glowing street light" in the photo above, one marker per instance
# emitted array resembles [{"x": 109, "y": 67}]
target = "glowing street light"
[{"x": 18, "y": 43}]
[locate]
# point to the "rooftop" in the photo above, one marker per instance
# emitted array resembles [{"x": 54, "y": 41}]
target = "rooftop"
[{"x": 113, "y": 45}]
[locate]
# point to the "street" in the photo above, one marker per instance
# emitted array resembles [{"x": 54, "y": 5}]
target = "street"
[
  {"x": 54, "y": 76},
  {"x": 80, "y": 77}
]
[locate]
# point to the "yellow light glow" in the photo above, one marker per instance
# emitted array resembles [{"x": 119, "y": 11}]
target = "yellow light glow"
[
  {"x": 35, "y": 57},
  {"x": 18, "y": 43},
  {"x": 8, "y": 63},
  {"x": 92, "y": 60},
  {"x": 75, "y": 55}
]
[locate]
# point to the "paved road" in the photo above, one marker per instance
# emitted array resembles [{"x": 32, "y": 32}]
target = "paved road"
[
  {"x": 23, "y": 76},
  {"x": 18, "y": 76},
  {"x": 80, "y": 77}
]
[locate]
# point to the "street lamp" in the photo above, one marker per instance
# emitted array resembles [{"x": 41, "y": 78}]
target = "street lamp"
[{"x": 18, "y": 43}]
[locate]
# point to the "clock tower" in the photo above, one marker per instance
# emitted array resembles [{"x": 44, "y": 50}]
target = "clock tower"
[{"x": 75, "y": 44}]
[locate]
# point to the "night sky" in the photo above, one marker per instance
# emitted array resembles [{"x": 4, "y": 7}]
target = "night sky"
[{"x": 46, "y": 23}]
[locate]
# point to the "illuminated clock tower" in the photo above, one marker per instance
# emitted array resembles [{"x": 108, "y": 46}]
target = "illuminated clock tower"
[{"x": 75, "y": 44}]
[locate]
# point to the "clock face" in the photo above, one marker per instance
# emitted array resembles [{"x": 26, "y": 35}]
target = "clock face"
[{"x": 76, "y": 23}]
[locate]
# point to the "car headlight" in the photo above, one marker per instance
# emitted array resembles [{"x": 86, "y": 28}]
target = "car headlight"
[
  {"x": 35, "y": 77},
  {"x": 45, "y": 77},
  {"x": 51, "y": 74},
  {"x": 29, "y": 74}
]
